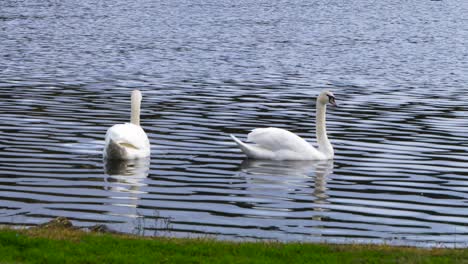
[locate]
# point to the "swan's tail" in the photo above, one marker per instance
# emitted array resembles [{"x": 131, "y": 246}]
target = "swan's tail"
[
  {"x": 248, "y": 150},
  {"x": 254, "y": 151},
  {"x": 239, "y": 143}
]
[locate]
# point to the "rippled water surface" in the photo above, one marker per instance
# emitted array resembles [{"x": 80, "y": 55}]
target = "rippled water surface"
[{"x": 208, "y": 69}]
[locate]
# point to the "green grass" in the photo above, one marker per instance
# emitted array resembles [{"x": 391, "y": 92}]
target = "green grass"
[{"x": 61, "y": 245}]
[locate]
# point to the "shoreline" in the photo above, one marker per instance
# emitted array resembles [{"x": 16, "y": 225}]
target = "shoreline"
[{"x": 61, "y": 243}]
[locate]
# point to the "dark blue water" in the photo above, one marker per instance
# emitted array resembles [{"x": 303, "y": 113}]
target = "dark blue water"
[{"x": 211, "y": 68}]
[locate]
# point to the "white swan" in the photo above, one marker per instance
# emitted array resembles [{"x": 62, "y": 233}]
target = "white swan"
[
  {"x": 279, "y": 144},
  {"x": 128, "y": 141}
]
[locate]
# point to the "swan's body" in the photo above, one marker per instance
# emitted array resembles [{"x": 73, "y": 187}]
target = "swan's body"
[
  {"x": 279, "y": 144},
  {"x": 128, "y": 141}
]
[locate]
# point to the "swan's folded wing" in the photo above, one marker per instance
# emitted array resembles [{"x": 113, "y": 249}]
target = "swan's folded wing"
[{"x": 277, "y": 139}]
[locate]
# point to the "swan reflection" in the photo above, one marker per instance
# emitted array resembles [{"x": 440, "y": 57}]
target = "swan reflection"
[
  {"x": 286, "y": 180},
  {"x": 126, "y": 176},
  {"x": 287, "y": 168}
]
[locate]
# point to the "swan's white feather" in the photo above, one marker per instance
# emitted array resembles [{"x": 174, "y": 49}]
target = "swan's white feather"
[
  {"x": 278, "y": 144},
  {"x": 126, "y": 141}
]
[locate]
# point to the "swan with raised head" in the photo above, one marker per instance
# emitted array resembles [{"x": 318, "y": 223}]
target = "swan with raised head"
[
  {"x": 279, "y": 144},
  {"x": 128, "y": 141}
]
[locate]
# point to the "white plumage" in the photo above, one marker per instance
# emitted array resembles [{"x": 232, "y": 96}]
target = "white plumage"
[
  {"x": 279, "y": 144},
  {"x": 128, "y": 141}
]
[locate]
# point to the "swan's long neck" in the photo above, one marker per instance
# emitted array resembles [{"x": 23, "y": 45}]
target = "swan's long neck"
[
  {"x": 136, "y": 104},
  {"x": 321, "y": 131}
]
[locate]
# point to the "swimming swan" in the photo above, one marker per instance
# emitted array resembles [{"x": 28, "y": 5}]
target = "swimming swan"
[
  {"x": 128, "y": 141},
  {"x": 279, "y": 144}
]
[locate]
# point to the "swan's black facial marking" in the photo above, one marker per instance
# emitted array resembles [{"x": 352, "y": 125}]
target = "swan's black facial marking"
[{"x": 331, "y": 100}]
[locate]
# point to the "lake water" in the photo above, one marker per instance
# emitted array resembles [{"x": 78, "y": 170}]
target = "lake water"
[{"x": 207, "y": 69}]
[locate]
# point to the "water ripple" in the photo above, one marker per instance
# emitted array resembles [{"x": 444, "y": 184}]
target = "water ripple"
[{"x": 212, "y": 69}]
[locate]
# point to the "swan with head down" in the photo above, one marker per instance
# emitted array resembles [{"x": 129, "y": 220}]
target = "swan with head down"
[
  {"x": 280, "y": 144},
  {"x": 128, "y": 141}
]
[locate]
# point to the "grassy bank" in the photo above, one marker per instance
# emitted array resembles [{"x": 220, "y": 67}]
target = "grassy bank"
[{"x": 65, "y": 245}]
